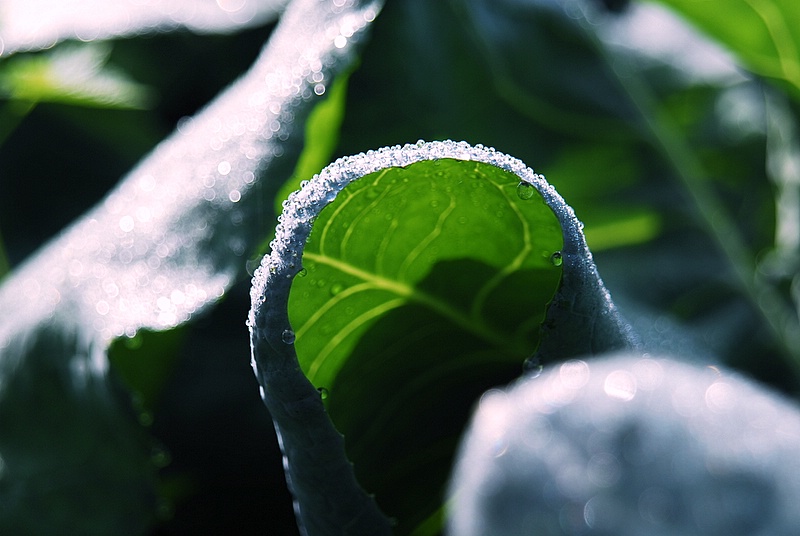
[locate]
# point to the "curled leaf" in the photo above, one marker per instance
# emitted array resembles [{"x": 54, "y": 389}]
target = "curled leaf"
[{"x": 421, "y": 275}]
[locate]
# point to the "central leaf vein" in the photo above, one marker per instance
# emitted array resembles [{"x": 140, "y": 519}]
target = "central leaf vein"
[{"x": 405, "y": 293}]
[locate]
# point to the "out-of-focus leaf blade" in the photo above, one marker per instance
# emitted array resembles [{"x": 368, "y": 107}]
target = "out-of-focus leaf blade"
[
  {"x": 3, "y": 259},
  {"x": 628, "y": 445},
  {"x": 167, "y": 242},
  {"x": 423, "y": 284},
  {"x": 72, "y": 75},
  {"x": 764, "y": 34},
  {"x": 73, "y": 460},
  {"x": 38, "y": 24}
]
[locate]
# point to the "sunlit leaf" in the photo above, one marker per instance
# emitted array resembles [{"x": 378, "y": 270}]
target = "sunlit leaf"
[
  {"x": 409, "y": 280},
  {"x": 167, "y": 242},
  {"x": 38, "y": 24}
]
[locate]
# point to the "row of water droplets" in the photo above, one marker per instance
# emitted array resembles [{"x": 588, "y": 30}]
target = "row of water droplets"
[{"x": 303, "y": 206}]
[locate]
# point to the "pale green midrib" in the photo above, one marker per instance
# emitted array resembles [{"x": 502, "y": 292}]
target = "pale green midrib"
[
  {"x": 336, "y": 340},
  {"x": 364, "y": 212},
  {"x": 415, "y": 295},
  {"x": 414, "y": 254}
]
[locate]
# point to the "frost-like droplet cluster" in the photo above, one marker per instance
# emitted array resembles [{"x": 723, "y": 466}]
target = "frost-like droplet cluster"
[
  {"x": 304, "y": 205},
  {"x": 628, "y": 446}
]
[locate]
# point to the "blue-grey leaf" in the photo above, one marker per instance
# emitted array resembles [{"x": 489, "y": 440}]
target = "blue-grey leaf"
[{"x": 629, "y": 445}]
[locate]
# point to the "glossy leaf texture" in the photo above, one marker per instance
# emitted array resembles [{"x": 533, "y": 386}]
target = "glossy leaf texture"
[
  {"x": 39, "y": 24},
  {"x": 168, "y": 242},
  {"x": 402, "y": 283}
]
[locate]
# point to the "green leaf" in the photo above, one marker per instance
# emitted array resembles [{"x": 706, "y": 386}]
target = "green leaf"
[
  {"x": 449, "y": 236},
  {"x": 764, "y": 34},
  {"x": 76, "y": 75},
  {"x": 168, "y": 242},
  {"x": 409, "y": 280}
]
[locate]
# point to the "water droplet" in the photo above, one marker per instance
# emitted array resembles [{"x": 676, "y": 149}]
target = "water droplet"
[
  {"x": 287, "y": 336},
  {"x": 525, "y": 190},
  {"x": 303, "y": 272},
  {"x": 126, "y": 223},
  {"x": 323, "y": 393},
  {"x": 133, "y": 343},
  {"x": 146, "y": 418},
  {"x": 160, "y": 457},
  {"x": 557, "y": 259},
  {"x": 532, "y": 367},
  {"x": 336, "y": 288},
  {"x": 164, "y": 510},
  {"x": 252, "y": 265}
]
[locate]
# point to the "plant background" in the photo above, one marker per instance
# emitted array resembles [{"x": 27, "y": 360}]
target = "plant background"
[{"x": 682, "y": 173}]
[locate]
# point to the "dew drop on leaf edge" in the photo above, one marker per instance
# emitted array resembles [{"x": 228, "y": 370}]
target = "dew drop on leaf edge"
[
  {"x": 557, "y": 259},
  {"x": 525, "y": 190},
  {"x": 532, "y": 367},
  {"x": 252, "y": 265},
  {"x": 287, "y": 336},
  {"x": 323, "y": 393}
]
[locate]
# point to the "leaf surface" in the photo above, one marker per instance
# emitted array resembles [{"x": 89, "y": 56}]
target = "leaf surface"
[
  {"x": 415, "y": 278},
  {"x": 38, "y": 24},
  {"x": 166, "y": 243},
  {"x": 629, "y": 445}
]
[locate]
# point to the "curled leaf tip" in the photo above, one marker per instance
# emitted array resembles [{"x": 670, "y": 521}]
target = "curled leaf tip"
[{"x": 581, "y": 314}]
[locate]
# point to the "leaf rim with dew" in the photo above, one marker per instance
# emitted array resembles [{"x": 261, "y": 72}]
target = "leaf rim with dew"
[{"x": 327, "y": 495}]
